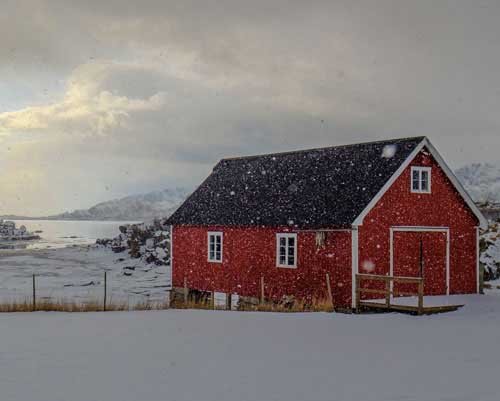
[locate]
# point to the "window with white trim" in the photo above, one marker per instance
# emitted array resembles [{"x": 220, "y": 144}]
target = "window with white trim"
[
  {"x": 286, "y": 250},
  {"x": 421, "y": 180},
  {"x": 215, "y": 246}
]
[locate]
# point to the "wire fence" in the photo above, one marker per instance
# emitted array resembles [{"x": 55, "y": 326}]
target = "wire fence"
[{"x": 50, "y": 292}]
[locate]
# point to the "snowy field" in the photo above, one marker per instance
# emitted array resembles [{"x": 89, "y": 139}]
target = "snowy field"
[
  {"x": 77, "y": 273},
  {"x": 241, "y": 356}
]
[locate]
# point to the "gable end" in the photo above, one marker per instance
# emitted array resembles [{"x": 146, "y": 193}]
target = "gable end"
[{"x": 483, "y": 224}]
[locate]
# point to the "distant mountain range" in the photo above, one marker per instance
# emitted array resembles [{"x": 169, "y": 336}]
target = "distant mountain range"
[
  {"x": 144, "y": 207},
  {"x": 482, "y": 181},
  {"x": 135, "y": 207}
]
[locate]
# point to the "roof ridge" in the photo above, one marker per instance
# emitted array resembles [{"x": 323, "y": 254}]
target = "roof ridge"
[{"x": 320, "y": 148}]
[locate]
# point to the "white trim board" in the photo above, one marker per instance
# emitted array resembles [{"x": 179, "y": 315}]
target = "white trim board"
[
  {"x": 287, "y": 236},
  {"x": 420, "y": 170},
  {"x": 354, "y": 263},
  {"x": 215, "y": 234},
  {"x": 446, "y": 230},
  {"x": 483, "y": 223},
  {"x": 326, "y": 230}
]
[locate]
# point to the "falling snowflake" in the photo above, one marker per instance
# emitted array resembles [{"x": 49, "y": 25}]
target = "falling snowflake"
[
  {"x": 368, "y": 266},
  {"x": 389, "y": 151}
]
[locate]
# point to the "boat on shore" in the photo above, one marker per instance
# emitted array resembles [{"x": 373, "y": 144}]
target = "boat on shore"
[{"x": 9, "y": 232}]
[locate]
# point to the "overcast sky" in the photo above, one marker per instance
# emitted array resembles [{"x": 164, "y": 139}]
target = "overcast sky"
[{"x": 102, "y": 99}]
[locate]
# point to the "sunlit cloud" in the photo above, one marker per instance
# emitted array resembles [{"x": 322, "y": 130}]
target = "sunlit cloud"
[{"x": 85, "y": 109}]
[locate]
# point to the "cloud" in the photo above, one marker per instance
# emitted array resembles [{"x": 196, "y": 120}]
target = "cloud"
[{"x": 86, "y": 108}]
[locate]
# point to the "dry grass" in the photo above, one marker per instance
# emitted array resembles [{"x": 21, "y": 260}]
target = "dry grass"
[
  {"x": 96, "y": 305},
  {"x": 64, "y": 305},
  {"x": 192, "y": 304},
  {"x": 317, "y": 305}
]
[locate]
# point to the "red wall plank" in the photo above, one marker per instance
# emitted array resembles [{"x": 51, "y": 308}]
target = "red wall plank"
[{"x": 249, "y": 253}]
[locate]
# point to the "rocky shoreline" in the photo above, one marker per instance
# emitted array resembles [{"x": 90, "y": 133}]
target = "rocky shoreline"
[
  {"x": 9, "y": 232},
  {"x": 149, "y": 243}
]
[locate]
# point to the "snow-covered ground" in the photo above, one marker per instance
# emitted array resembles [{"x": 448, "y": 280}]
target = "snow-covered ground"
[
  {"x": 186, "y": 355},
  {"x": 77, "y": 273}
]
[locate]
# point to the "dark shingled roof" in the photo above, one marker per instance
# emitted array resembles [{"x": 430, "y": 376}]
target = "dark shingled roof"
[{"x": 316, "y": 188}]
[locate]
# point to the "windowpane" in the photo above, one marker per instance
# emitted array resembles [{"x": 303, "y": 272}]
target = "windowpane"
[
  {"x": 424, "y": 181},
  {"x": 415, "y": 180},
  {"x": 282, "y": 251},
  {"x": 291, "y": 261},
  {"x": 415, "y": 185}
]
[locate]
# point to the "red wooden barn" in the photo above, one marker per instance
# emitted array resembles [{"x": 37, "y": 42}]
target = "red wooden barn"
[{"x": 387, "y": 207}]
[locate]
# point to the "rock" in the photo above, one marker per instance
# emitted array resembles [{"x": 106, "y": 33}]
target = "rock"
[
  {"x": 150, "y": 243},
  {"x": 103, "y": 241},
  {"x": 118, "y": 249}
]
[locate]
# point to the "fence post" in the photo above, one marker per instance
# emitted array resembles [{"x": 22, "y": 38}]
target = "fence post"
[
  {"x": 329, "y": 288},
  {"x": 229, "y": 301},
  {"x": 420, "y": 296},
  {"x": 105, "y": 290},
  {"x": 358, "y": 294},
  {"x": 262, "y": 289},
  {"x": 388, "y": 291},
  {"x": 34, "y": 293},
  {"x": 185, "y": 290}
]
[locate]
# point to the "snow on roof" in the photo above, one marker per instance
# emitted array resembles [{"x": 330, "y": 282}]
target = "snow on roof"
[{"x": 315, "y": 188}]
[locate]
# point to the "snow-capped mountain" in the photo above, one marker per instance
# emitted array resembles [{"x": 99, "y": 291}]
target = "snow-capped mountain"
[
  {"x": 142, "y": 207},
  {"x": 482, "y": 181}
]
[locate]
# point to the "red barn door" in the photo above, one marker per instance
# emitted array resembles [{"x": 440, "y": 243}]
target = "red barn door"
[{"x": 419, "y": 253}]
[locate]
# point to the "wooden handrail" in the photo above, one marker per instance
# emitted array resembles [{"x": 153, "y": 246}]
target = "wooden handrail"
[
  {"x": 388, "y": 291},
  {"x": 400, "y": 279}
]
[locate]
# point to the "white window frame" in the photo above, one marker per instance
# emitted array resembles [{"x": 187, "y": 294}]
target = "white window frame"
[
  {"x": 215, "y": 234},
  {"x": 420, "y": 169},
  {"x": 287, "y": 236}
]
